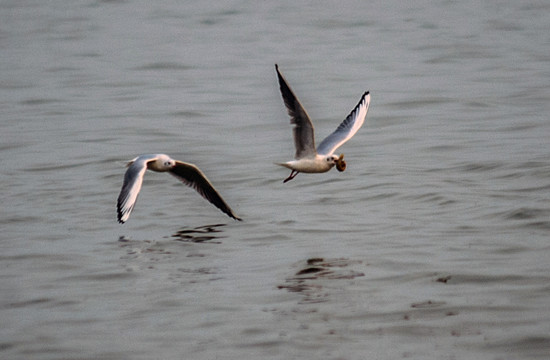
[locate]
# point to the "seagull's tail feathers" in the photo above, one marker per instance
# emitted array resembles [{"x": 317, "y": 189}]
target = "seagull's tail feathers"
[{"x": 284, "y": 165}]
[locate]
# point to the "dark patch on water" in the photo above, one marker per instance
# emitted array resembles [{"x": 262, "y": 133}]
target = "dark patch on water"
[
  {"x": 315, "y": 279},
  {"x": 200, "y": 234},
  {"x": 428, "y": 304}
]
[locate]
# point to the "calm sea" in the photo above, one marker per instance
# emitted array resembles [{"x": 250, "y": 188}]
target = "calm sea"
[{"x": 433, "y": 244}]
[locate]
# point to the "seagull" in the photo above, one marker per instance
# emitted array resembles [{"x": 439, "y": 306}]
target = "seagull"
[
  {"x": 189, "y": 174},
  {"x": 322, "y": 159}
]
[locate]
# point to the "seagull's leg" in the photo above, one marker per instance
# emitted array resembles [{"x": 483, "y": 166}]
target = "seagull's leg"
[{"x": 293, "y": 174}]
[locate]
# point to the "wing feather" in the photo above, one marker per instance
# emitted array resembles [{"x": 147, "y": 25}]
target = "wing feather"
[
  {"x": 304, "y": 137},
  {"x": 133, "y": 178},
  {"x": 193, "y": 177},
  {"x": 347, "y": 128}
]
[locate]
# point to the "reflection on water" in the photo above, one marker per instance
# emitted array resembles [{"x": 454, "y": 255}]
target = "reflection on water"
[
  {"x": 315, "y": 279},
  {"x": 179, "y": 259},
  {"x": 200, "y": 234}
]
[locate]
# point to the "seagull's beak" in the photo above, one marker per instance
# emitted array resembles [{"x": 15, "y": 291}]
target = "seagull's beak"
[{"x": 340, "y": 163}]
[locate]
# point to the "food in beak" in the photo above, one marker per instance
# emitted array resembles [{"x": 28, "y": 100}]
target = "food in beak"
[{"x": 340, "y": 163}]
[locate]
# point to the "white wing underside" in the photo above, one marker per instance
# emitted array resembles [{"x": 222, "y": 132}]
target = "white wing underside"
[
  {"x": 347, "y": 128},
  {"x": 133, "y": 179}
]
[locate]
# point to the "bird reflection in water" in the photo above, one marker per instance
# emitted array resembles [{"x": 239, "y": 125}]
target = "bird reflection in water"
[
  {"x": 318, "y": 279},
  {"x": 205, "y": 233}
]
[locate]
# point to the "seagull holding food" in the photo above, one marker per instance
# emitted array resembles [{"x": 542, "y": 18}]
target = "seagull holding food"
[
  {"x": 189, "y": 174},
  {"x": 322, "y": 159}
]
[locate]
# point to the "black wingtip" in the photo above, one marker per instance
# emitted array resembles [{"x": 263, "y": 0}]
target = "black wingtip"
[
  {"x": 365, "y": 94},
  {"x": 119, "y": 219},
  {"x": 119, "y": 215},
  {"x": 232, "y": 215}
]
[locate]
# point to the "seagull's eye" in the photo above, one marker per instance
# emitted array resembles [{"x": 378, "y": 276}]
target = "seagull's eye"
[{"x": 328, "y": 159}]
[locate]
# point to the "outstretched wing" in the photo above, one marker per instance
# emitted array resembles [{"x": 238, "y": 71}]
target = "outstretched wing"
[
  {"x": 304, "y": 140},
  {"x": 131, "y": 187},
  {"x": 347, "y": 128},
  {"x": 191, "y": 175}
]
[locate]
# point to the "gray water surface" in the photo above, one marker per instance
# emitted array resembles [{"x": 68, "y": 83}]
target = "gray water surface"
[{"x": 433, "y": 244}]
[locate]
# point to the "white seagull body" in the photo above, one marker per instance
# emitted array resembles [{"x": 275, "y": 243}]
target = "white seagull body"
[
  {"x": 308, "y": 158},
  {"x": 189, "y": 174}
]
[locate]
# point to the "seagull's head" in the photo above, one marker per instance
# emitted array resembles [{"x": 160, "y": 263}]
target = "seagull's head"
[
  {"x": 164, "y": 163},
  {"x": 332, "y": 160},
  {"x": 336, "y": 160}
]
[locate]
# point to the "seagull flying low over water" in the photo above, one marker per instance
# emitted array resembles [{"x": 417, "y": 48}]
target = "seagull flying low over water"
[
  {"x": 189, "y": 174},
  {"x": 322, "y": 159}
]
